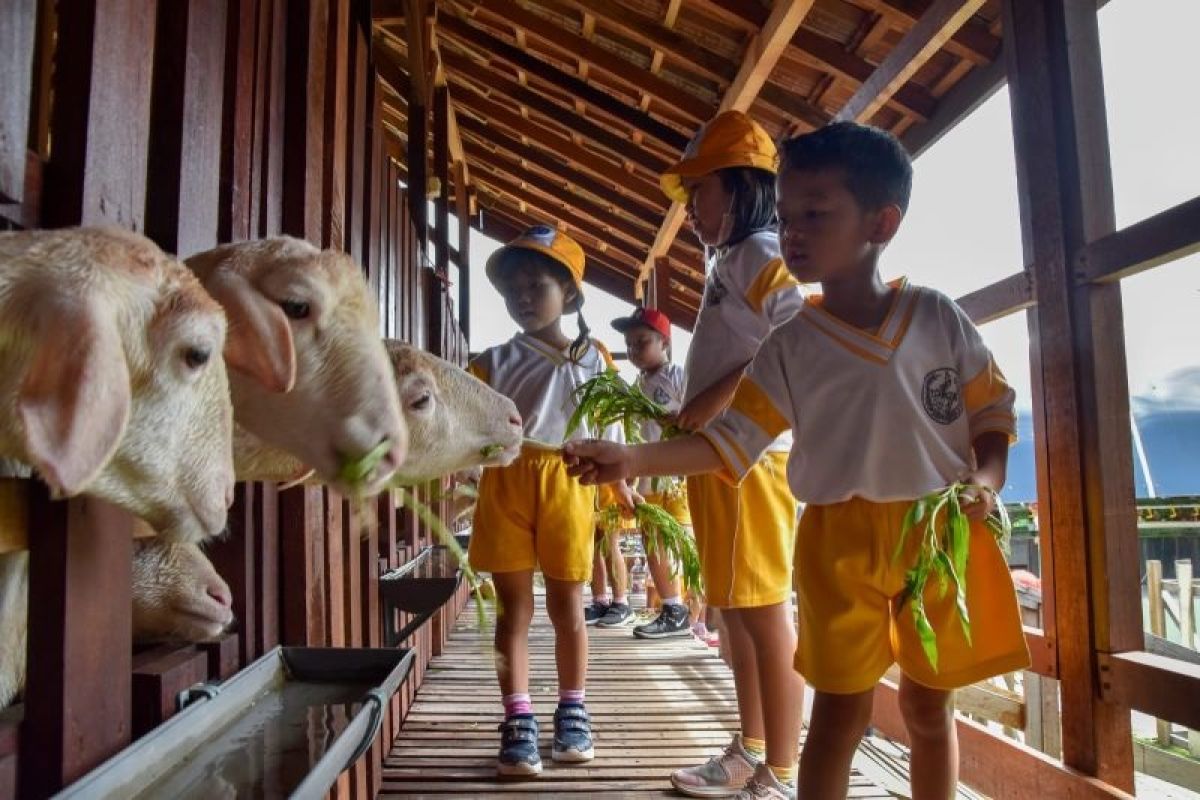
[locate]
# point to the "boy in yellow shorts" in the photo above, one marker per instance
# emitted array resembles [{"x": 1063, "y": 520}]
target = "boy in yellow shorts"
[{"x": 891, "y": 394}]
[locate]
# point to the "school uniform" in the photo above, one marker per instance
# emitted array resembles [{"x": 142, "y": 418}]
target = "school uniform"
[
  {"x": 531, "y": 513},
  {"x": 880, "y": 419},
  {"x": 744, "y": 534},
  {"x": 665, "y": 387}
]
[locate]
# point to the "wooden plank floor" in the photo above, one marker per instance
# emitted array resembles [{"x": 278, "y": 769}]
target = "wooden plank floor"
[{"x": 655, "y": 706}]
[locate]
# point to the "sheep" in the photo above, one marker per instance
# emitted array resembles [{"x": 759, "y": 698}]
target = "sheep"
[
  {"x": 108, "y": 380},
  {"x": 308, "y": 376},
  {"x": 454, "y": 421}
]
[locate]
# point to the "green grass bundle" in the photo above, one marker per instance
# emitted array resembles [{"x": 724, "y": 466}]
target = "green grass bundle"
[
  {"x": 407, "y": 498},
  {"x": 945, "y": 532},
  {"x": 665, "y": 534},
  {"x": 354, "y": 473},
  {"x": 608, "y": 400}
]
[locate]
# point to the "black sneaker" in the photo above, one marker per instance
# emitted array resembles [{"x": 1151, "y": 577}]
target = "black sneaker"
[
  {"x": 617, "y": 615},
  {"x": 671, "y": 621},
  {"x": 594, "y": 612}
]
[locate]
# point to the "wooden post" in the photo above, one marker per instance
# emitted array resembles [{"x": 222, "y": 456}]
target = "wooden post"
[
  {"x": 1158, "y": 627},
  {"x": 1183, "y": 574},
  {"x": 302, "y": 527},
  {"x": 338, "y": 92},
  {"x": 239, "y": 116},
  {"x": 304, "y": 120},
  {"x": 18, "y": 19},
  {"x": 1085, "y": 467},
  {"x": 183, "y": 177},
  {"x": 462, "y": 210},
  {"x": 441, "y": 171},
  {"x": 77, "y": 693}
]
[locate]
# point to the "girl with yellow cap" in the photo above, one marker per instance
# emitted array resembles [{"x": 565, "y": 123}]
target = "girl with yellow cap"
[
  {"x": 745, "y": 534},
  {"x": 530, "y": 513}
]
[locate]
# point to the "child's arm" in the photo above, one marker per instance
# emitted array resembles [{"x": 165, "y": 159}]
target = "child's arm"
[
  {"x": 705, "y": 406},
  {"x": 595, "y": 462},
  {"x": 991, "y": 456}
]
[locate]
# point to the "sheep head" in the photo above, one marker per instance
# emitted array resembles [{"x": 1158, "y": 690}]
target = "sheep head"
[{"x": 177, "y": 594}]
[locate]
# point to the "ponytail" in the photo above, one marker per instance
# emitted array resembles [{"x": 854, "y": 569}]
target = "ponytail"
[{"x": 580, "y": 345}]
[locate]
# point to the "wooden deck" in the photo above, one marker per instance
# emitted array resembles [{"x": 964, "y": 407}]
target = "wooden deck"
[{"x": 655, "y": 706}]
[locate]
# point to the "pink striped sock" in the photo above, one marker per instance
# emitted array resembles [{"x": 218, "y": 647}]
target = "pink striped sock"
[
  {"x": 570, "y": 697},
  {"x": 517, "y": 704}
]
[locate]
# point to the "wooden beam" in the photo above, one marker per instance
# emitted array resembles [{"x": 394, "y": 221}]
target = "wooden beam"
[
  {"x": 1165, "y": 688},
  {"x": 1157, "y": 240},
  {"x": 911, "y": 98},
  {"x": 599, "y": 58},
  {"x": 932, "y": 30},
  {"x": 650, "y": 32},
  {"x": 634, "y": 117},
  {"x": 1005, "y": 296},
  {"x": 793, "y": 105},
  {"x": 441, "y": 171},
  {"x": 1081, "y": 409},
  {"x": 762, "y": 53},
  {"x": 955, "y": 106},
  {"x": 973, "y": 41},
  {"x": 418, "y": 50},
  {"x": 610, "y": 140},
  {"x": 463, "y": 214},
  {"x": 623, "y": 185}
]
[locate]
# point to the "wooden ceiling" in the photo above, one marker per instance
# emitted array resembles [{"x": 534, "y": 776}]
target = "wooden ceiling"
[{"x": 566, "y": 111}]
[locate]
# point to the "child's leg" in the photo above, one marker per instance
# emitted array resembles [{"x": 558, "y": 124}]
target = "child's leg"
[
  {"x": 564, "y": 604},
  {"x": 772, "y": 638},
  {"x": 929, "y": 717},
  {"x": 838, "y": 723},
  {"x": 599, "y": 579},
  {"x": 618, "y": 575},
  {"x": 665, "y": 582},
  {"x": 514, "y": 601},
  {"x": 744, "y": 662}
]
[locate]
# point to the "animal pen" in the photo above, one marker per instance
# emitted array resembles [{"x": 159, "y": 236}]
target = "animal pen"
[{"x": 199, "y": 122}]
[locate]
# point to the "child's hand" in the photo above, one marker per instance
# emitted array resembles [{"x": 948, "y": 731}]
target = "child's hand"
[
  {"x": 595, "y": 462},
  {"x": 627, "y": 497},
  {"x": 978, "y": 500}
]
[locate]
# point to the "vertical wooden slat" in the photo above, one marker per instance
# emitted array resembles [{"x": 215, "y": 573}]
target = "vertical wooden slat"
[
  {"x": 18, "y": 20},
  {"x": 239, "y": 118},
  {"x": 301, "y": 516},
  {"x": 337, "y": 106},
  {"x": 335, "y": 625},
  {"x": 268, "y": 566},
  {"x": 441, "y": 171},
  {"x": 274, "y": 63},
  {"x": 77, "y": 692},
  {"x": 1065, "y": 189},
  {"x": 183, "y": 179},
  {"x": 462, "y": 210},
  {"x": 101, "y": 115},
  {"x": 304, "y": 119},
  {"x": 357, "y": 155},
  {"x": 234, "y": 557}
]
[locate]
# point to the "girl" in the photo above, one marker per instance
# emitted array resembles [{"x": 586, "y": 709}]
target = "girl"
[
  {"x": 744, "y": 534},
  {"x": 648, "y": 340},
  {"x": 530, "y": 514}
]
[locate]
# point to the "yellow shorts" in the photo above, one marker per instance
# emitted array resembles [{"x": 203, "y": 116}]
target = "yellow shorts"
[
  {"x": 530, "y": 514},
  {"x": 848, "y": 587},
  {"x": 674, "y": 504},
  {"x": 745, "y": 535}
]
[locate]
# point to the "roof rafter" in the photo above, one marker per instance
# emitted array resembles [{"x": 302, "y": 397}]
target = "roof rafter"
[
  {"x": 762, "y": 54},
  {"x": 914, "y": 49}
]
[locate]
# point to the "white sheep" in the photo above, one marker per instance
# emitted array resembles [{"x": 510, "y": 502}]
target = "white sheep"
[
  {"x": 307, "y": 372},
  {"x": 111, "y": 378}
]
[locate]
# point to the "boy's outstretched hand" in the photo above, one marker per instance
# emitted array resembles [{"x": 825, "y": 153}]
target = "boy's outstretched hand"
[{"x": 595, "y": 462}]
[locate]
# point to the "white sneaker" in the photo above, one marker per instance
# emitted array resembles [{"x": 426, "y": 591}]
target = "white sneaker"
[
  {"x": 722, "y": 775},
  {"x": 763, "y": 785}
]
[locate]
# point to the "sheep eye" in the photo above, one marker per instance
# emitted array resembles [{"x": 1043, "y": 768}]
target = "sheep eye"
[
  {"x": 196, "y": 357},
  {"x": 422, "y": 402},
  {"x": 296, "y": 309}
]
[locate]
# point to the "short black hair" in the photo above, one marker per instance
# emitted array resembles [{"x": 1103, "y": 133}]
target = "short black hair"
[
  {"x": 753, "y": 208},
  {"x": 878, "y": 168}
]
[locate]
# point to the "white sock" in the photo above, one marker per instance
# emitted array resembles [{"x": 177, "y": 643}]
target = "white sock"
[
  {"x": 672, "y": 601},
  {"x": 620, "y": 600},
  {"x": 602, "y": 599}
]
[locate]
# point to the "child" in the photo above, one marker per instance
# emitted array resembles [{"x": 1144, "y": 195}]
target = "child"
[
  {"x": 744, "y": 534},
  {"x": 647, "y": 340},
  {"x": 892, "y": 394},
  {"x": 605, "y": 610},
  {"x": 530, "y": 513}
]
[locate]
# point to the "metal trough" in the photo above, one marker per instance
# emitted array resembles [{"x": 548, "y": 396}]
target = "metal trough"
[
  {"x": 286, "y": 726},
  {"x": 420, "y": 587}
]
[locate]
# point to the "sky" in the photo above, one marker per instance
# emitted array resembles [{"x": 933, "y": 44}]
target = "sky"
[{"x": 962, "y": 231}]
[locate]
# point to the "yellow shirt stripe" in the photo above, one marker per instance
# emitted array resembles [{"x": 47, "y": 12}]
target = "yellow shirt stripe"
[
  {"x": 753, "y": 403},
  {"x": 773, "y": 277}
]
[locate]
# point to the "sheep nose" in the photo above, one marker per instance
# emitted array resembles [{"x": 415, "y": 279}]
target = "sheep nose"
[
  {"x": 514, "y": 419},
  {"x": 394, "y": 458},
  {"x": 221, "y": 595}
]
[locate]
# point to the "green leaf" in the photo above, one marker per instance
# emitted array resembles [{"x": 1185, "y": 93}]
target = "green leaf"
[
  {"x": 960, "y": 537},
  {"x": 960, "y": 595},
  {"x": 925, "y": 632},
  {"x": 355, "y": 473}
]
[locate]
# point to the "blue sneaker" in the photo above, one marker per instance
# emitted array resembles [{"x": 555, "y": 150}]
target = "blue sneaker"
[
  {"x": 572, "y": 734},
  {"x": 519, "y": 747}
]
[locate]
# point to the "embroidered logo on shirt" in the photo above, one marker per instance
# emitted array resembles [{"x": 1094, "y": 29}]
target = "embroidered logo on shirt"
[
  {"x": 942, "y": 395},
  {"x": 660, "y": 396},
  {"x": 715, "y": 292}
]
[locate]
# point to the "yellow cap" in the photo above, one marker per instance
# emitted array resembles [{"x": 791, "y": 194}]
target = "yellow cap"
[
  {"x": 549, "y": 242},
  {"x": 730, "y": 139}
]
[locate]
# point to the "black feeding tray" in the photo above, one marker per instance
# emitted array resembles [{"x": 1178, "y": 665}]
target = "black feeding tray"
[
  {"x": 420, "y": 587},
  {"x": 286, "y": 726}
]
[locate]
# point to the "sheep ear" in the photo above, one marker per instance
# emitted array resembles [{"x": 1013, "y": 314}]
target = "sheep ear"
[
  {"x": 74, "y": 399},
  {"x": 259, "y": 342}
]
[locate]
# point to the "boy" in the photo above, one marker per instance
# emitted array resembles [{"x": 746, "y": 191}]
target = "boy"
[{"x": 891, "y": 394}]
